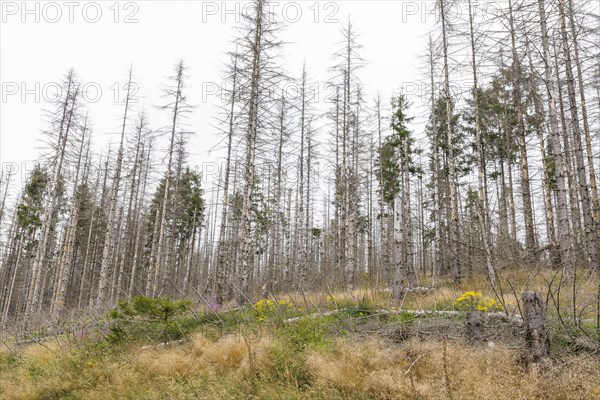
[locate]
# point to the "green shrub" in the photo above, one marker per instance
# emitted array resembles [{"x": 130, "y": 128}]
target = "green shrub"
[
  {"x": 145, "y": 318},
  {"x": 307, "y": 332}
]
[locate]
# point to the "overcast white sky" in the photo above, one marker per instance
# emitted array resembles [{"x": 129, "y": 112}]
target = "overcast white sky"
[{"x": 35, "y": 54}]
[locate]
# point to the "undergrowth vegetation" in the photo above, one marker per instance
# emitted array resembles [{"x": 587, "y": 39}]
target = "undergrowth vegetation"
[{"x": 343, "y": 345}]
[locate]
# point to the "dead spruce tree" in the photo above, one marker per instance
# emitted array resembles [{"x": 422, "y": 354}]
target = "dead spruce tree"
[
  {"x": 64, "y": 121},
  {"x": 64, "y": 268},
  {"x": 590, "y": 236},
  {"x": 453, "y": 221},
  {"x": 257, "y": 49},
  {"x": 221, "y": 265},
  {"x": 107, "y": 263},
  {"x": 178, "y": 109},
  {"x": 564, "y": 235},
  {"x": 482, "y": 197},
  {"x": 348, "y": 86}
]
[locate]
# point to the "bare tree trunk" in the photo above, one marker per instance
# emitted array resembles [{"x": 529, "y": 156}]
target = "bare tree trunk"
[
  {"x": 220, "y": 268},
  {"x": 64, "y": 269},
  {"x": 530, "y": 242},
  {"x": 584, "y": 190},
  {"x": 138, "y": 226},
  {"x": 399, "y": 275},
  {"x": 453, "y": 221},
  {"x": 564, "y": 235},
  {"x": 435, "y": 167},
  {"x": 584, "y": 116},
  {"x": 247, "y": 261},
  {"x": 157, "y": 259},
  {"x": 482, "y": 199},
  {"x": 384, "y": 264},
  {"x": 101, "y": 300},
  {"x": 259, "y": 42},
  {"x": 300, "y": 228},
  {"x": 407, "y": 215},
  {"x": 67, "y": 120},
  {"x": 573, "y": 196},
  {"x": 308, "y": 214},
  {"x": 8, "y": 178},
  {"x": 125, "y": 256}
]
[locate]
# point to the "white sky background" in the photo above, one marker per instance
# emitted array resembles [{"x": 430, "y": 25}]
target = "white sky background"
[{"x": 392, "y": 34}]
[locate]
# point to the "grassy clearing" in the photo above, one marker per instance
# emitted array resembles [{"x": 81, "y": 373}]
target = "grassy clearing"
[
  {"x": 354, "y": 353},
  {"x": 295, "y": 363}
]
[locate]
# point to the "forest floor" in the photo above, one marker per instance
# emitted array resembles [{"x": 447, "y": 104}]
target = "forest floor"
[{"x": 342, "y": 345}]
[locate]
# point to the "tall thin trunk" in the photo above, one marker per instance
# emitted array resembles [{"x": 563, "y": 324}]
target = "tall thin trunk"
[
  {"x": 157, "y": 260},
  {"x": 138, "y": 226},
  {"x": 67, "y": 121},
  {"x": 482, "y": 199},
  {"x": 530, "y": 242},
  {"x": 64, "y": 269},
  {"x": 453, "y": 221},
  {"x": 105, "y": 267},
  {"x": 220, "y": 268},
  {"x": 584, "y": 117},
  {"x": 247, "y": 259},
  {"x": 564, "y": 235},
  {"x": 584, "y": 189}
]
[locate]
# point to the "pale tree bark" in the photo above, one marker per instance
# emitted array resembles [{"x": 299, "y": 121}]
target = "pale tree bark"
[
  {"x": 168, "y": 276},
  {"x": 350, "y": 61},
  {"x": 308, "y": 215},
  {"x": 371, "y": 234},
  {"x": 6, "y": 182},
  {"x": 453, "y": 220},
  {"x": 67, "y": 120},
  {"x": 530, "y": 242},
  {"x": 339, "y": 198},
  {"x": 507, "y": 173},
  {"x": 572, "y": 186},
  {"x": 584, "y": 189},
  {"x": 105, "y": 268},
  {"x": 176, "y": 108},
  {"x": 259, "y": 42},
  {"x": 584, "y": 116},
  {"x": 384, "y": 263},
  {"x": 540, "y": 116},
  {"x": 138, "y": 229},
  {"x": 435, "y": 169},
  {"x": 277, "y": 226},
  {"x": 11, "y": 260},
  {"x": 100, "y": 233},
  {"x": 220, "y": 266},
  {"x": 398, "y": 286},
  {"x": 89, "y": 248},
  {"x": 64, "y": 268},
  {"x": 247, "y": 259},
  {"x": 564, "y": 235},
  {"x": 409, "y": 251},
  {"x": 125, "y": 256},
  {"x": 482, "y": 198},
  {"x": 300, "y": 234}
]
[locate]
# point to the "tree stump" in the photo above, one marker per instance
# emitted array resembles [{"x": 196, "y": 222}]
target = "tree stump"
[
  {"x": 536, "y": 332},
  {"x": 475, "y": 328}
]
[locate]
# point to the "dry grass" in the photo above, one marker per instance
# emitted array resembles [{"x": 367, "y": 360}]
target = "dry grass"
[
  {"x": 511, "y": 284},
  {"x": 358, "y": 366},
  {"x": 223, "y": 369},
  {"x": 417, "y": 371}
]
